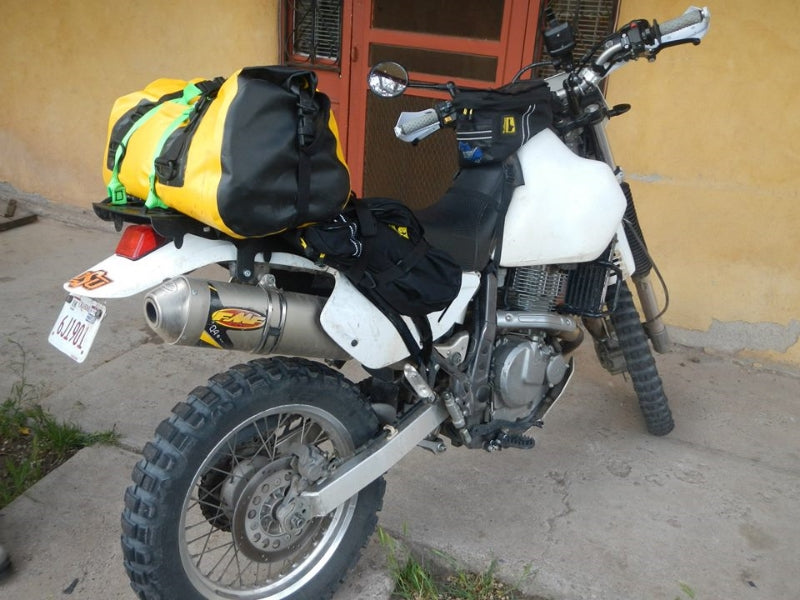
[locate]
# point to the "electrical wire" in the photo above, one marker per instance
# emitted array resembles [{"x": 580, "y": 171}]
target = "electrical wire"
[{"x": 665, "y": 289}]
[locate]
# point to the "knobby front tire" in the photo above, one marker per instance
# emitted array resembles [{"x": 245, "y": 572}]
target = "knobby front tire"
[
  {"x": 204, "y": 519},
  {"x": 641, "y": 365}
]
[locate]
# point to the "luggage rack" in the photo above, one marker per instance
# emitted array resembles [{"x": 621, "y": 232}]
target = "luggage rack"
[
  {"x": 167, "y": 223},
  {"x": 173, "y": 226}
]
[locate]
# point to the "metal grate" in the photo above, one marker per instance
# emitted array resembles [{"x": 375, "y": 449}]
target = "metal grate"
[
  {"x": 417, "y": 175},
  {"x": 315, "y": 32},
  {"x": 592, "y": 20}
]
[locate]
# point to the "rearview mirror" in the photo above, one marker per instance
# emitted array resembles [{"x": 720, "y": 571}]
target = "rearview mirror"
[{"x": 388, "y": 79}]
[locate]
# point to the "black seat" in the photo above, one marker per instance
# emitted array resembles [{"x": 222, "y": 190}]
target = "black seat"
[{"x": 464, "y": 222}]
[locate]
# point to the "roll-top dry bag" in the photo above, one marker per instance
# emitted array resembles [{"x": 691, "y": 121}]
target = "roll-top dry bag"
[{"x": 251, "y": 155}]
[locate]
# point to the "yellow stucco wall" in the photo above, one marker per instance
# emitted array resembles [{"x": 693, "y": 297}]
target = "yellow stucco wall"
[
  {"x": 711, "y": 148},
  {"x": 65, "y": 61}
]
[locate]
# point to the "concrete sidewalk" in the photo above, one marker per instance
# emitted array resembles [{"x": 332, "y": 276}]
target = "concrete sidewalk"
[{"x": 599, "y": 509}]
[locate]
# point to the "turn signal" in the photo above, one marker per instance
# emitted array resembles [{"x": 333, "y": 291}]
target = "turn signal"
[{"x": 138, "y": 241}]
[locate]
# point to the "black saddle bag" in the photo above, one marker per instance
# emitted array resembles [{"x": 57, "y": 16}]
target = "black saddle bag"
[{"x": 380, "y": 246}]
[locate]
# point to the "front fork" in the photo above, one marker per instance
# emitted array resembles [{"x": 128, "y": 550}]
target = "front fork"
[{"x": 653, "y": 325}]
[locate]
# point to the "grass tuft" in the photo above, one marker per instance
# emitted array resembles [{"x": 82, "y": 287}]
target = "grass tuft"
[
  {"x": 33, "y": 442},
  {"x": 414, "y": 580}
]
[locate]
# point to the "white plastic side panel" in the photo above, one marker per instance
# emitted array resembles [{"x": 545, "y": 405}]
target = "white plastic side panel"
[
  {"x": 356, "y": 325},
  {"x": 119, "y": 277},
  {"x": 624, "y": 250},
  {"x": 567, "y": 211}
]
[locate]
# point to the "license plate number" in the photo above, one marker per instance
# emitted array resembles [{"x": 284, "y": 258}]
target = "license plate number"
[{"x": 77, "y": 326}]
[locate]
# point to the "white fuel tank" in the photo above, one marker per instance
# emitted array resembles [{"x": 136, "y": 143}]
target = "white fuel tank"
[{"x": 568, "y": 210}]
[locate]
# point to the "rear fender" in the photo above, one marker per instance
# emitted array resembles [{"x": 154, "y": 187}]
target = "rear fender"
[{"x": 120, "y": 277}]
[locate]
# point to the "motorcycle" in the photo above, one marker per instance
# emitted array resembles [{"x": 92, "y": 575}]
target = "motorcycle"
[{"x": 266, "y": 482}]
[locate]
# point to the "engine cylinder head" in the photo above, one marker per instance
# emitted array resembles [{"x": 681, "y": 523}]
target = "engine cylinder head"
[{"x": 537, "y": 288}]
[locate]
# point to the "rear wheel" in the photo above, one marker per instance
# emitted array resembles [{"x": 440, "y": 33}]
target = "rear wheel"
[
  {"x": 640, "y": 364},
  {"x": 207, "y": 516}
]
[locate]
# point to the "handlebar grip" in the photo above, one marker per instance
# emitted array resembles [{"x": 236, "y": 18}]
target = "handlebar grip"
[
  {"x": 427, "y": 118},
  {"x": 692, "y": 17}
]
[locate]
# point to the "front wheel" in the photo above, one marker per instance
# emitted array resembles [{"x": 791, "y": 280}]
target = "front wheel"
[
  {"x": 206, "y": 517},
  {"x": 640, "y": 364}
]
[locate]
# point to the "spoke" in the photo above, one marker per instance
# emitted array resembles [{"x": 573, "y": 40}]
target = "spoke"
[
  {"x": 199, "y": 502},
  {"x": 269, "y": 450},
  {"x": 274, "y": 436},
  {"x": 221, "y": 558},
  {"x": 234, "y": 558},
  {"x": 233, "y": 455},
  {"x": 216, "y": 469},
  {"x": 205, "y": 546},
  {"x": 206, "y": 535},
  {"x": 200, "y": 523}
]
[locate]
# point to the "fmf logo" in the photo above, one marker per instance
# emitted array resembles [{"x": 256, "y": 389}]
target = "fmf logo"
[
  {"x": 238, "y": 318},
  {"x": 90, "y": 280}
]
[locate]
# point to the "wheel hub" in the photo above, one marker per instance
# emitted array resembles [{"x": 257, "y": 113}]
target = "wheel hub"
[{"x": 265, "y": 528}]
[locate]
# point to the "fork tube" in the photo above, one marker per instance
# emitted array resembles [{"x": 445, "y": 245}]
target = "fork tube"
[{"x": 653, "y": 325}]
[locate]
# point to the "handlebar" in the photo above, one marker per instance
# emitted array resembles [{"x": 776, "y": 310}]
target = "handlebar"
[
  {"x": 638, "y": 38},
  {"x": 411, "y": 125},
  {"x": 633, "y": 40},
  {"x": 415, "y": 126},
  {"x": 693, "y": 16}
]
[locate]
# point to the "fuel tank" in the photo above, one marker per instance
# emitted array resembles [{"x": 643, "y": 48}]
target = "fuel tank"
[{"x": 567, "y": 211}]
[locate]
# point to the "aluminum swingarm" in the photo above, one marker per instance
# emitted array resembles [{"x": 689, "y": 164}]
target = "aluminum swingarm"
[{"x": 376, "y": 459}]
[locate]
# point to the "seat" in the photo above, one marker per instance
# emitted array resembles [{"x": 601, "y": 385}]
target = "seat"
[{"x": 464, "y": 222}]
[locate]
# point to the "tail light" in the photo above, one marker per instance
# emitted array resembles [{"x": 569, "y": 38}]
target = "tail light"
[{"x": 138, "y": 241}]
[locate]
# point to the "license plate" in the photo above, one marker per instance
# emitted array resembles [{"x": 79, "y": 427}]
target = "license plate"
[{"x": 77, "y": 326}]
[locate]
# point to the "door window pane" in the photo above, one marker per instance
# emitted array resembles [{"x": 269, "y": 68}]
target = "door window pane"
[
  {"x": 434, "y": 62},
  {"x": 479, "y": 19}
]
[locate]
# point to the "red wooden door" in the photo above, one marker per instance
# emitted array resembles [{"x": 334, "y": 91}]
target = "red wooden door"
[{"x": 471, "y": 42}]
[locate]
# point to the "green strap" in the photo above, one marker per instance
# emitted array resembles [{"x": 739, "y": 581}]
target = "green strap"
[{"x": 116, "y": 189}]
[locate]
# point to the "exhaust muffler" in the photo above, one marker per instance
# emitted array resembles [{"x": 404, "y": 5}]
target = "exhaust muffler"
[{"x": 260, "y": 320}]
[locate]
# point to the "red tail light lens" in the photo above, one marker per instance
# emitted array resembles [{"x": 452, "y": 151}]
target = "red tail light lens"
[{"x": 138, "y": 241}]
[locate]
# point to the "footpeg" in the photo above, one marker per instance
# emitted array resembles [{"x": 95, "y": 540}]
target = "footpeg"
[{"x": 510, "y": 440}]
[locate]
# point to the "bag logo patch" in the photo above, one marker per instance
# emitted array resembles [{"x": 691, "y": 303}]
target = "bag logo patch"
[
  {"x": 401, "y": 230},
  {"x": 509, "y": 125}
]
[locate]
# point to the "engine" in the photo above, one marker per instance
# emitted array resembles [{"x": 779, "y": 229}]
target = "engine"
[
  {"x": 526, "y": 363},
  {"x": 526, "y": 368}
]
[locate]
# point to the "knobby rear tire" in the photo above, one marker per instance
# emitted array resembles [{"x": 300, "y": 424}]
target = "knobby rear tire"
[
  {"x": 641, "y": 365},
  {"x": 246, "y": 417}
]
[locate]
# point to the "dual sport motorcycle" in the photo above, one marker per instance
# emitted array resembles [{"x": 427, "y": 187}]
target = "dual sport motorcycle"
[{"x": 265, "y": 483}]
